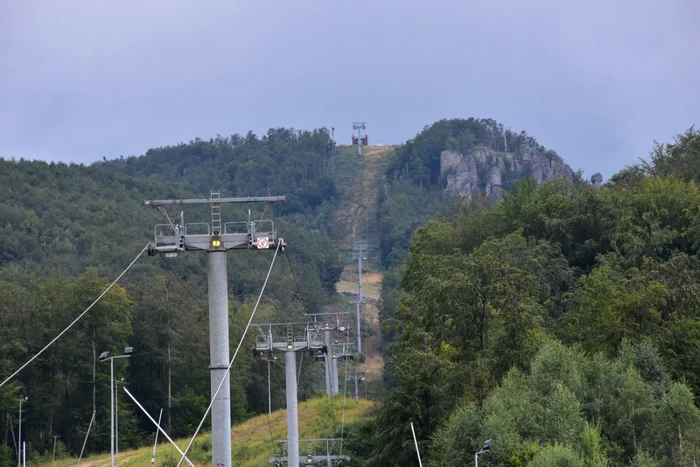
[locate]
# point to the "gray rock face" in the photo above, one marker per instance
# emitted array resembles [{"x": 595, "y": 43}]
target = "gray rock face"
[
  {"x": 597, "y": 179},
  {"x": 484, "y": 169},
  {"x": 461, "y": 172}
]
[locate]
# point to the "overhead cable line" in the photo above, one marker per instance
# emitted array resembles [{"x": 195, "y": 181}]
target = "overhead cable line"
[
  {"x": 304, "y": 305},
  {"x": 228, "y": 370},
  {"x": 158, "y": 427},
  {"x": 199, "y": 304},
  {"x": 76, "y": 319},
  {"x": 308, "y": 319}
]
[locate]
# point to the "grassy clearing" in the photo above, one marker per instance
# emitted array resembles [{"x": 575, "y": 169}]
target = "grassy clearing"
[
  {"x": 359, "y": 179},
  {"x": 350, "y": 288},
  {"x": 250, "y": 441}
]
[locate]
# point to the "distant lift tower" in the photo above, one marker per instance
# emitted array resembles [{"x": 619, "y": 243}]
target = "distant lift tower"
[
  {"x": 327, "y": 323},
  {"x": 171, "y": 239},
  {"x": 331, "y": 458},
  {"x": 360, "y": 254},
  {"x": 339, "y": 351},
  {"x": 289, "y": 338},
  {"x": 359, "y": 140},
  {"x": 355, "y": 376}
]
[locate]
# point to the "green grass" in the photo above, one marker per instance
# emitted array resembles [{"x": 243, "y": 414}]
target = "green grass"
[
  {"x": 348, "y": 287},
  {"x": 250, "y": 441}
]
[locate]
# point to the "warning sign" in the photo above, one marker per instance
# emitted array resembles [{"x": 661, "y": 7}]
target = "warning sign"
[{"x": 263, "y": 242}]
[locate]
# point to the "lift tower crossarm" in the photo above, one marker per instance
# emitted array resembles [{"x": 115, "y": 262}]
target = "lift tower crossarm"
[{"x": 249, "y": 199}]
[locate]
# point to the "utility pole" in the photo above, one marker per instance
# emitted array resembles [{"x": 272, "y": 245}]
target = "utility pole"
[
  {"x": 328, "y": 322},
  {"x": 359, "y": 141},
  {"x": 289, "y": 338},
  {"x": 19, "y": 443},
  {"x": 216, "y": 239},
  {"x": 360, "y": 254}
]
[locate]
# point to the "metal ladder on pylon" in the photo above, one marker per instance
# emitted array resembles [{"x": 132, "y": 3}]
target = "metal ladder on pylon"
[
  {"x": 215, "y": 213},
  {"x": 290, "y": 335}
]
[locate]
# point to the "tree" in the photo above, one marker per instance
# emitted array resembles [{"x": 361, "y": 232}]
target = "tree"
[
  {"x": 678, "y": 158},
  {"x": 675, "y": 433},
  {"x": 557, "y": 455}
]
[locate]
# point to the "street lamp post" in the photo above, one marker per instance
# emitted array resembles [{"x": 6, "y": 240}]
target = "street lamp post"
[
  {"x": 485, "y": 448},
  {"x": 116, "y": 415},
  {"x": 104, "y": 356},
  {"x": 19, "y": 443}
]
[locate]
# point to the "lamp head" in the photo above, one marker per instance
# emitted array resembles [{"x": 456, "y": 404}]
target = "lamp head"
[{"x": 486, "y": 447}]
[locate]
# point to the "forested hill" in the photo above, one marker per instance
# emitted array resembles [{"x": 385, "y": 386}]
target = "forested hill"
[
  {"x": 67, "y": 230},
  {"x": 561, "y": 323},
  {"x": 83, "y": 213},
  {"x": 471, "y": 158},
  {"x": 296, "y": 163}
]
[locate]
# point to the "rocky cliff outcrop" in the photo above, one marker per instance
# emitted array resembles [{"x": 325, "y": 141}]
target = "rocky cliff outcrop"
[{"x": 484, "y": 169}]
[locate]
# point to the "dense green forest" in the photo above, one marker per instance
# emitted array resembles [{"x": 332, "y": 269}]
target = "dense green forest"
[
  {"x": 563, "y": 323},
  {"x": 415, "y": 190},
  {"x": 67, "y": 230}
]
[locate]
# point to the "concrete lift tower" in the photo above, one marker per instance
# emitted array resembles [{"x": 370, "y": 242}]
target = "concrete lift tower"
[
  {"x": 328, "y": 322},
  {"x": 360, "y": 254},
  {"x": 359, "y": 140},
  {"x": 289, "y": 338},
  {"x": 355, "y": 376},
  {"x": 339, "y": 351},
  {"x": 216, "y": 240}
]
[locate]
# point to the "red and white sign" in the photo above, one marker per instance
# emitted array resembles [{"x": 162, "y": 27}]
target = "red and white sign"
[{"x": 263, "y": 242}]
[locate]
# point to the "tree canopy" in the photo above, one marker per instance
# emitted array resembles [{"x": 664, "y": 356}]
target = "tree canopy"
[{"x": 562, "y": 323}]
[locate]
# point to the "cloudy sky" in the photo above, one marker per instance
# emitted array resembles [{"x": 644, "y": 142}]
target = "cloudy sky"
[{"x": 597, "y": 81}]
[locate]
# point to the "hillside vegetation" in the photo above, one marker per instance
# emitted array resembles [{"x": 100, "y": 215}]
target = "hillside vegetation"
[
  {"x": 252, "y": 440},
  {"x": 67, "y": 230},
  {"x": 561, "y": 323}
]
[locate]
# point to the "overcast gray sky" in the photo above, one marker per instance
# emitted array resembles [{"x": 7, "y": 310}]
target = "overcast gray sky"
[{"x": 597, "y": 81}]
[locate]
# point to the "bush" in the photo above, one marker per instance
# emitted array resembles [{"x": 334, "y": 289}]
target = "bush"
[
  {"x": 201, "y": 450},
  {"x": 5, "y": 456},
  {"x": 170, "y": 460},
  {"x": 557, "y": 455}
]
